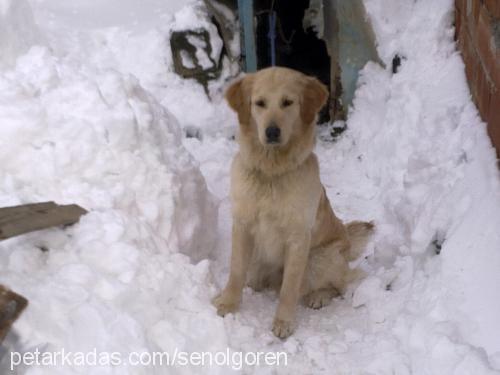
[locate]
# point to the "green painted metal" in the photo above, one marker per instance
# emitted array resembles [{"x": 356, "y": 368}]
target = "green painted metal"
[{"x": 356, "y": 44}]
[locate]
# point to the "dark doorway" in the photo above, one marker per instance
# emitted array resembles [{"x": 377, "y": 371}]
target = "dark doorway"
[{"x": 295, "y": 47}]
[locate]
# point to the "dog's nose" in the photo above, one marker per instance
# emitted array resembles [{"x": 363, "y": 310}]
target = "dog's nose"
[{"x": 273, "y": 134}]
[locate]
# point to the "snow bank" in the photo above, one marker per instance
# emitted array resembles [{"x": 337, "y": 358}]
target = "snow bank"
[
  {"x": 75, "y": 134},
  {"x": 417, "y": 160},
  {"x": 101, "y": 141},
  {"x": 444, "y": 184},
  {"x": 17, "y": 30}
]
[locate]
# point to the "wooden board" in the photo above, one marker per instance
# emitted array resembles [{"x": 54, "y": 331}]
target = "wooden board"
[{"x": 18, "y": 220}]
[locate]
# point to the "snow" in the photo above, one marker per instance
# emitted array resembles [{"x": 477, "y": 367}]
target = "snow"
[
  {"x": 91, "y": 14},
  {"x": 196, "y": 16},
  {"x": 17, "y": 30},
  {"x": 93, "y": 114}
]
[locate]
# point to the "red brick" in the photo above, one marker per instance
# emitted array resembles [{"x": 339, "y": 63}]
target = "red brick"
[
  {"x": 493, "y": 120},
  {"x": 461, "y": 25},
  {"x": 476, "y": 6},
  {"x": 486, "y": 47},
  {"x": 483, "y": 93},
  {"x": 466, "y": 24},
  {"x": 471, "y": 15},
  {"x": 458, "y": 22},
  {"x": 492, "y": 65},
  {"x": 493, "y": 7},
  {"x": 471, "y": 69},
  {"x": 484, "y": 33},
  {"x": 471, "y": 60},
  {"x": 468, "y": 7},
  {"x": 475, "y": 22},
  {"x": 460, "y": 5},
  {"x": 494, "y": 113}
]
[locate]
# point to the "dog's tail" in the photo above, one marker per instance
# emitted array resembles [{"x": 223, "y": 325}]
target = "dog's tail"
[{"x": 359, "y": 233}]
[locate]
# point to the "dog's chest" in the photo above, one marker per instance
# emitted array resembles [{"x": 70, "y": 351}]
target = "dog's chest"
[
  {"x": 278, "y": 203},
  {"x": 272, "y": 202},
  {"x": 274, "y": 209},
  {"x": 271, "y": 216},
  {"x": 274, "y": 212}
]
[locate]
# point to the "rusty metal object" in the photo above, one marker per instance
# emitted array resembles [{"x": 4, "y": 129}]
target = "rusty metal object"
[
  {"x": 11, "y": 307},
  {"x": 184, "y": 45}
]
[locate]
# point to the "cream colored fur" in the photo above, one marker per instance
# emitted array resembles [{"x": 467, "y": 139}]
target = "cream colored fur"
[{"x": 285, "y": 234}]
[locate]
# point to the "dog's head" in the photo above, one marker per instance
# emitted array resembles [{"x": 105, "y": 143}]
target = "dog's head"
[{"x": 276, "y": 105}]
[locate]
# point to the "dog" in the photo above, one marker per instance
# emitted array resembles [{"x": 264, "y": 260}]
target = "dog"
[{"x": 285, "y": 234}]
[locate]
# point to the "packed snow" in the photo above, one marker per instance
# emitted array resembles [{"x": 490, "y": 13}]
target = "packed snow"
[{"x": 92, "y": 113}]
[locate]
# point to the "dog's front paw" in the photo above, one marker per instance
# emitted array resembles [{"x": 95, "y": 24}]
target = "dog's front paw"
[
  {"x": 282, "y": 328},
  {"x": 225, "y": 304}
]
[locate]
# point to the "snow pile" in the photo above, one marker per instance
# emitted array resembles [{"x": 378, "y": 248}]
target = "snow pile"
[
  {"x": 141, "y": 48},
  {"x": 99, "y": 140},
  {"x": 74, "y": 134},
  {"x": 443, "y": 187}
]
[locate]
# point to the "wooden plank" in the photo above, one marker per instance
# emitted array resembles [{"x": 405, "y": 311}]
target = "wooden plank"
[
  {"x": 18, "y": 220},
  {"x": 11, "y": 213},
  {"x": 42, "y": 205},
  {"x": 11, "y": 306}
]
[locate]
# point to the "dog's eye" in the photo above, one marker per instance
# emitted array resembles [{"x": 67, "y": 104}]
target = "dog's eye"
[
  {"x": 260, "y": 103},
  {"x": 286, "y": 103}
]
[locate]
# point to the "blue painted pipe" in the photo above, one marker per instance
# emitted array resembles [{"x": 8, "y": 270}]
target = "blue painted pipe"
[{"x": 245, "y": 10}]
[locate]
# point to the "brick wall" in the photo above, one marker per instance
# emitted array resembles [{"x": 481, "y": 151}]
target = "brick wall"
[{"x": 478, "y": 35}]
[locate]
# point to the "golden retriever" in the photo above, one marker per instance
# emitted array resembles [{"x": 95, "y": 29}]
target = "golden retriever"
[{"x": 285, "y": 234}]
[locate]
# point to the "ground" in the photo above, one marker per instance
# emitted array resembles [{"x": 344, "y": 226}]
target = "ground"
[{"x": 93, "y": 114}]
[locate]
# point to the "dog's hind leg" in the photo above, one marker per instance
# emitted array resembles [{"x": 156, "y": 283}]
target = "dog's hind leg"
[
  {"x": 320, "y": 297},
  {"x": 327, "y": 274},
  {"x": 328, "y": 271}
]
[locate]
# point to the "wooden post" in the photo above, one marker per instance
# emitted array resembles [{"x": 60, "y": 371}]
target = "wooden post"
[{"x": 31, "y": 217}]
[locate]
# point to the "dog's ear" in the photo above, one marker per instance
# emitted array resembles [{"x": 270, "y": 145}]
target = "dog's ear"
[
  {"x": 238, "y": 97},
  {"x": 314, "y": 97}
]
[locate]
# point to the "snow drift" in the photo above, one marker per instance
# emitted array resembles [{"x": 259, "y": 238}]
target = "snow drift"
[{"x": 74, "y": 134}]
